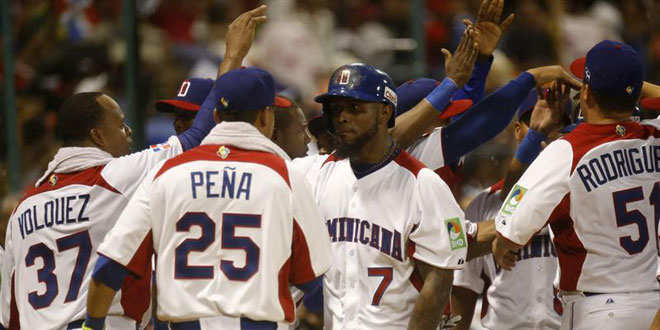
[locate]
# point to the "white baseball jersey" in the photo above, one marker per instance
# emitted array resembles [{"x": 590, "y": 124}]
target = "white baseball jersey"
[
  {"x": 231, "y": 229},
  {"x": 429, "y": 150},
  {"x": 519, "y": 299},
  {"x": 378, "y": 224},
  {"x": 52, "y": 237},
  {"x": 599, "y": 189}
]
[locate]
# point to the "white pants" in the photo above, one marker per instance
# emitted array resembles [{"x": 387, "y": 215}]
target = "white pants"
[{"x": 616, "y": 311}]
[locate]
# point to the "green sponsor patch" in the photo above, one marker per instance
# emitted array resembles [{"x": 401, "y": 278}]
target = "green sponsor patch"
[
  {"x": 457, "y": 238},
  {"x": 515, "y": 197}
]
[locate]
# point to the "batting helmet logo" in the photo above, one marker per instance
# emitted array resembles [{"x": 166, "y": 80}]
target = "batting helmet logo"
[{"x": 183, "y": 91}]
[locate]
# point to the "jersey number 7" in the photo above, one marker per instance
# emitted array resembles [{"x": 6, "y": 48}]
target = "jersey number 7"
[{"x": 184, "y": 271}]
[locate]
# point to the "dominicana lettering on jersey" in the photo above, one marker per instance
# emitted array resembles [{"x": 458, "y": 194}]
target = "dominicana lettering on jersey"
[
  {"x": 366, "y": 233},
  {"x": 59, "y": 211},
  {"x": 618, "y": 164}
]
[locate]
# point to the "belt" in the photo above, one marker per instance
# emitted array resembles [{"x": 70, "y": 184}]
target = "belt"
[{"x": 578, "y": 293}]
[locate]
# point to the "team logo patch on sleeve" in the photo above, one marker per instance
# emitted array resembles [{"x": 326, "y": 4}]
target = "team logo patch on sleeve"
[
  {"x": 160, "y": 147},
  {"x": 515, "y": 197},
  {"x": 457, "y": 238}
]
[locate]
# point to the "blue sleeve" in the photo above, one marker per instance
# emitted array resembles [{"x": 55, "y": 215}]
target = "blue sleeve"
[
  {"x": 487, "y": 118},
  {"x": 313, "y": 298},
  {"x": 475, "y": 87},
  {"x": 109, "y": 272},
  {"x": 202, "y": 124}
]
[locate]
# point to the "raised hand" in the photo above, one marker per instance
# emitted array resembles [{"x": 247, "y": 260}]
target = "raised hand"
[
  {"x": 488, "y": 25},
  {"x": 241, "y": 32},
  {"x": 459, "y": 65},
  {"x": 545, "y": 74}
]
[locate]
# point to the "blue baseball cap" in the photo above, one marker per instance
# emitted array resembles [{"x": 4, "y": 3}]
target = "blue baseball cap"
[
  {"x": 412, "y": 92},
  {"x": 246, "y": 89},
  {"x": 189, "y": 97},
  {"x": 612, "y": 68}
]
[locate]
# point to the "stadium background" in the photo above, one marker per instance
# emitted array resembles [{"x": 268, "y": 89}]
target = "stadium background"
[{"x": 60, "y": 47}]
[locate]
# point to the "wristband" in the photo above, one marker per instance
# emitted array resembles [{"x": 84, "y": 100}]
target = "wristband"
[
  {"x": 93, "y": 323},
  {"x": 441, "y": 95},
  {"x": 530, "y": 147}
]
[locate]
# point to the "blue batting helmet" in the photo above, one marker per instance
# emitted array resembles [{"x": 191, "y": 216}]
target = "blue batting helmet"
[{"x": 361, "y": 82}]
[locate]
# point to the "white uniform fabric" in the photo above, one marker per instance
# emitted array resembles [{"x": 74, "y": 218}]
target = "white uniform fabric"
[
  {"x": 232, "y": 226},
  {"x": 53, "y": 234},
  {"x": 614, "y": 311},
  {"x": 428, "y": 150},
  {"x": 599, "y": 189},
  {"x": 378, "y": 224},
  {"x": 519, "y": 299}
]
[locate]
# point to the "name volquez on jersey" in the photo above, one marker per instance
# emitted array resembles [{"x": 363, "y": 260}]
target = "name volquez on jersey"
[
  {"x": 365, "y": 233},
  {"x": 63, "y": 210},
  {"x": 221, "y": 185},
  {"x": 617, "y": 164}
]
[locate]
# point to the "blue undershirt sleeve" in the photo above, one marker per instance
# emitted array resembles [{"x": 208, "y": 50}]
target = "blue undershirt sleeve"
[
  {"x": 109, "y": 272},
  {"x": 202, "y": 124},
  {"x": 475, "y": 87},
  {"x": 486, "y": 119}
]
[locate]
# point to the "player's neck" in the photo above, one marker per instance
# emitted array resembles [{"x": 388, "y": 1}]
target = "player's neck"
[
  {"x": 597, "y": 117},
  {"x": 373, "y": 151}
]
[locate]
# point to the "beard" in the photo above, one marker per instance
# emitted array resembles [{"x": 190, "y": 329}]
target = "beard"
[{"x": 346, "y": 149}]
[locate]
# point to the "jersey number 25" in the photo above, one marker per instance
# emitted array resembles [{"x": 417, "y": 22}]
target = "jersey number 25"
[{"x": 182, "y": 270}]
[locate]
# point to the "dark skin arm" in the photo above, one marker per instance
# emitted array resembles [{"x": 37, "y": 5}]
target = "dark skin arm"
[
  {"x": 99, "y": 299},
  {"x": 656, "y": 321},
  {"x": 410, "y": 125},
  {"x": 433, "y": 297},
  {"x": 479, "y": 41},
  {"x": 463, "y": 302},
  {"x": 240, "y": 35},
  {"x": 547, "y": 119},
  {"x": 481, "y": 245}
]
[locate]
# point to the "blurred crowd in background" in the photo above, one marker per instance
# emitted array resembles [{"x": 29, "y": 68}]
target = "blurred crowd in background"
[{"x": 63, "y": 47}]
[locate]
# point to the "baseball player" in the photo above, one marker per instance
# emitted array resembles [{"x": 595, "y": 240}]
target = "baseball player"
[
  {"x": 188, "y": 100},
  {"x": 290, "y": 131},
  {"x": 229, "y": 243},
  {"x": 54, "y": 232},
  {"x": 523, "y": 298},
  {"x": 598, "y": 189},
  {"x": 393, "y": 245}
]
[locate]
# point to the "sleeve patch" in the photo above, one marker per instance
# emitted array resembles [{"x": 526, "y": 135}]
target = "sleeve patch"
[
  {"x": 513, "y": 200},
  {"x": 457, "y": 238},
  {"x": 160, "y": 147}
]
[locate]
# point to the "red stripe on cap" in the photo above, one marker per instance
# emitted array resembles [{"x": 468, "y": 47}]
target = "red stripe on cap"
[
  {"x": 577, "y": 67},
  {"x": 164, "y": 105},
  {"x": 651, "y": 103},
  {"x": 282, "y": 102},
  {"x": 456, "y": 108}
]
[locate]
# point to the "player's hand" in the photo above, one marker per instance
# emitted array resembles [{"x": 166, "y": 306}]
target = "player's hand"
[
  {"x": 242, "y": 30},
  {"x": 545, "y": 74},
  {"x": 505, "y": 253},
  {"x": 449, "y": 323},
  {"x": 459, "y": 65},
  {"x": 549, "y": 111},
  {"x": 488, "y": 25}
]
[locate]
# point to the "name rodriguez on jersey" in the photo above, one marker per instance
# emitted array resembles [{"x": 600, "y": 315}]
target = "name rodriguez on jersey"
[{"x": 59, "y": 211}]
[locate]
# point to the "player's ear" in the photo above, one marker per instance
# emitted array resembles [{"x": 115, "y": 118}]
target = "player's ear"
[
  {"x": 96, "y": 136},
  {"x": 265, "y": 122},
  {"x": 216, "y": 116}
]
